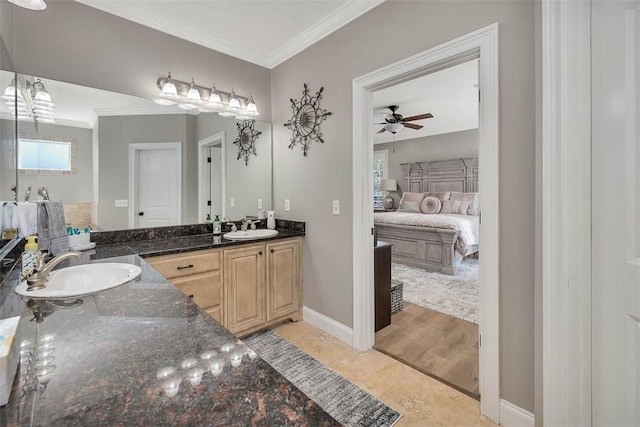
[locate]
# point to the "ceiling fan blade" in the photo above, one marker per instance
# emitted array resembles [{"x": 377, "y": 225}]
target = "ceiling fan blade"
[
  {"x": 412, "y": 126},
  {"x": 383, "y": 130},
  {"x": 419, "y": 117}
]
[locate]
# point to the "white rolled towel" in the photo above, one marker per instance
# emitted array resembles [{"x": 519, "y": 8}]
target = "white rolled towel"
[{"x": 27, "y": 218}]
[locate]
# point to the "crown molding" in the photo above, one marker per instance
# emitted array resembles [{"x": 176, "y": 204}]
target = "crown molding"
[
  {"x": 341, "y": 16},
  {"x": 337, "y": 19}
]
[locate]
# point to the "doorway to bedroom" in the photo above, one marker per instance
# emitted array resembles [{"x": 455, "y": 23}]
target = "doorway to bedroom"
[{"x": 426, "y": 214}]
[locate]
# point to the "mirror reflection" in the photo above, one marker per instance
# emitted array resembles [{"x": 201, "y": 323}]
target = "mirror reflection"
[{"x": 118, "y": 161}]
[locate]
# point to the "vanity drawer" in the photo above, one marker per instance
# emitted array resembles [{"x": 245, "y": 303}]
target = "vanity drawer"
[
  {"x": 205, "y": 289},
  {"x": 180, "y": 265}
]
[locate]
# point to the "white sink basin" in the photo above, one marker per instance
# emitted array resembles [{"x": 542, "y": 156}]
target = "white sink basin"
[
  {"x": 82, "y": 280},
  {"x": 250, "y": 234}
]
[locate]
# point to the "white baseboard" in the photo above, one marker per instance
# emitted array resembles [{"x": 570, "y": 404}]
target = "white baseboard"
[
  {"x": 328, "y": 325},
  {"x": 514, "y": 416}
]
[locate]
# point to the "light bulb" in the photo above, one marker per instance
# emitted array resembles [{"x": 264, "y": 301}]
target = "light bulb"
[
  {"x": 193, "y": 95},
  {"x": 214, "y": 99},
  {"x": 169, "y": 89},
  {"x": 252, "y": 108},
  {"x": 234, "y": 102}
]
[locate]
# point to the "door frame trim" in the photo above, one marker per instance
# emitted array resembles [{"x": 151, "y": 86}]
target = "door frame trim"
[
  {"x": 566, "y": 212},
  {"x": 203, "y": 144},
  {"x": 134, "y": 149},
  {"x": 484, "y": 41}
]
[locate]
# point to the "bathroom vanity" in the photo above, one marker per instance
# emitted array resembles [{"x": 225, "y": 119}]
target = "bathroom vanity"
[
  {"x": 246, "y": 287},
  {"x": 107, "y": 348}
]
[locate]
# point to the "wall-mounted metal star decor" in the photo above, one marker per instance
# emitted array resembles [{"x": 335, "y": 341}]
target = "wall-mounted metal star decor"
[
  {"x": 246, "y": 140},
  {"x": 306, "y": 119}
]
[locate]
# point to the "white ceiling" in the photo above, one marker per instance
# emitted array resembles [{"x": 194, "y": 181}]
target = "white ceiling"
[
  {"x": 451, "y": 95},
  {"x": 265, "y": 32}
]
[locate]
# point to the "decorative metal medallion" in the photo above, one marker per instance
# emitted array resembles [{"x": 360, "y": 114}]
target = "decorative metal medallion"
[
  {"x": 246, "y": 139},
  {"x": 306, "y": 119}
]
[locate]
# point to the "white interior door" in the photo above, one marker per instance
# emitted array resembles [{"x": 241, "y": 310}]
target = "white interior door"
[
  {"x": 158, "y": 202},
  {"x": 615, "y": 215}
]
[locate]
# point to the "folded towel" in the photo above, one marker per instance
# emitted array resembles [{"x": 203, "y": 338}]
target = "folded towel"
[
  {"x": 52, "y": 228},
  {"x": 27, "y": 218}
]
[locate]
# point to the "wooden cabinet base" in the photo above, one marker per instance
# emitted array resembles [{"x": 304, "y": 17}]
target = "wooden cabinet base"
[{"x": 293, "y": 317}]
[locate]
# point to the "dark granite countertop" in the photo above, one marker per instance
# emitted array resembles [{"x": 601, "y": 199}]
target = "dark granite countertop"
[{"x": 107, "y": 349}]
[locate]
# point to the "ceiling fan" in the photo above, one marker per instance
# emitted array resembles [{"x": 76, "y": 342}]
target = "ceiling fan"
[{"x": 394, "y": 122}]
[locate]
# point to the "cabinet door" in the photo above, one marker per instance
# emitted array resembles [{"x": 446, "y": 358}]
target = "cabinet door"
[
  {"x": 283, "y": 278},
  {"x": 244, "y": 287}
]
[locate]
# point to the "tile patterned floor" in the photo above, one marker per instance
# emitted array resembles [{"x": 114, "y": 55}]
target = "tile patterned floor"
[{"x": 422, "y": 400}]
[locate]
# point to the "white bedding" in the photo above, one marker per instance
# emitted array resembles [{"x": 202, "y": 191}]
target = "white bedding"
[{"x": 468, "y": 225}]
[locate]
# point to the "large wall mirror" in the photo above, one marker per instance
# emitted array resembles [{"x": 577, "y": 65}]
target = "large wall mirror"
[{"x": 118, "y": 161}]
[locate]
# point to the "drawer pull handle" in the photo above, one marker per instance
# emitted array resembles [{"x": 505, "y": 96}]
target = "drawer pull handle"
[
  {"x": 273, "y": 250},
  {"x": 191, "y": 296},
  {"x": 183, "y": 267},
  {"x": 260, "y": 253}
]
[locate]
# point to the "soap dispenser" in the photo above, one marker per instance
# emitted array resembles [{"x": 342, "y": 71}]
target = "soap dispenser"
[
  {"x": 271, "y": 220},
  {"x": 29, "y": 257},
  {"x": 217, "y": 227}
]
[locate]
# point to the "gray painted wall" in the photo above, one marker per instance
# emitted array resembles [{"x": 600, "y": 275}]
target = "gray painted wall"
[
  {"x": 74, "y": 188},
  {"x": 96, "y": 49},
  {"x": 245, "y": 183},
  {"x": 384, "y": 35},
  {"x": 8, "y": 159},
  {"x": 455, "y": 145},
  {"x": 115, "y": 135}
]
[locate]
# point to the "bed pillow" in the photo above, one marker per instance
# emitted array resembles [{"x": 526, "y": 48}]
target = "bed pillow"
[
  {"x": 430, "y": 205},
  {"x": 410, "y": 207},
  {"x": 454, "y": 207},
  {"x": 471, "y": 198},
  {"x": 410, "y": 197},
  {"x": 442, "y": 196}
]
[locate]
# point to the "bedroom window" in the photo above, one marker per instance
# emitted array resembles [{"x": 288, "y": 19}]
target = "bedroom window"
[{"x": 380, "y": 171}]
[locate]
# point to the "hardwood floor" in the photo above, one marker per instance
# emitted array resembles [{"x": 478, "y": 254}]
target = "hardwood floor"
[{"x": 434, "y": 343}]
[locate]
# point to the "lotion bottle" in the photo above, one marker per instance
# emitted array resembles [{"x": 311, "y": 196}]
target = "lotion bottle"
[{"x": 29, "y": 257}]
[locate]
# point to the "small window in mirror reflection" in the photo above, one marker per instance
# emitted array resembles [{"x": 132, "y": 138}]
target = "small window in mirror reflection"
[{"x": 45, "y": 155}]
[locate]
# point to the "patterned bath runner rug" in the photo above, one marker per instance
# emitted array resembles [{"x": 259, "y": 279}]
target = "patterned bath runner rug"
[{"x": 339, "y": 397}]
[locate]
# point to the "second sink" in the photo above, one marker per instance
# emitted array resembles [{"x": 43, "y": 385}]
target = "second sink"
[{"x": 251, "y": 234}]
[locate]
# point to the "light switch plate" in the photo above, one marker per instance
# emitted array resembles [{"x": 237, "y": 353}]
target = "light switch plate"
[
  {"x": 122, "y": 203},
  {"x": 232, "y": 202},
  {"x": 287, "y": 205},
  {"x": 336, "y": 207},
  {"x": 259, "y": 203}
]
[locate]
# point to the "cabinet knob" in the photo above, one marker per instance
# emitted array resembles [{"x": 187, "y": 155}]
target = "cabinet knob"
[
  {"x": 191, "y": 296},
  {"x": 273, "y": 250},
  {"x": 183, "y": 267},
  {"x": 260, "y": 253}
]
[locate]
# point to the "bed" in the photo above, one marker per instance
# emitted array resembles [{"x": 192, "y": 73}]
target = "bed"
[{"x": 434, "y": 241}]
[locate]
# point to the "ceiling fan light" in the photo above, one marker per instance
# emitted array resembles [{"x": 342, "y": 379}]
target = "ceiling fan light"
[{"x": 394, "y": 127}]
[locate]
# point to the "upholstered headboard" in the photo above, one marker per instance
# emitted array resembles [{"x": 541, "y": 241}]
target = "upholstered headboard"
[{"x": 443, "y": 175}]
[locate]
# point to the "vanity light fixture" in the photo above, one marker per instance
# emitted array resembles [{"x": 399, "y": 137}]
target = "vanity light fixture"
[
  {"x": 189, "y": 96},
  {"x": 30, "y": 4},
  {"x": 32, "y": 102}
]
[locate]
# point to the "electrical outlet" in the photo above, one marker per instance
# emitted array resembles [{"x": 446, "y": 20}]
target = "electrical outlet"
[
  {"x": 122, "y": 203},
  {"x": 259, "y": 203},
  {"x": 287, "y": 205},
  {"x": 336, "y": 207},
  {"x": 232, "y": 202}
]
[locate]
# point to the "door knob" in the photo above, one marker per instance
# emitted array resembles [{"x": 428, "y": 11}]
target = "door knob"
[{"x": 140, "y": 213}]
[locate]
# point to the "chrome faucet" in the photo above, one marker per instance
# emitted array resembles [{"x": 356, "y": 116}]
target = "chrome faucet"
[
  {"x": 38, "y": 279},
  {"x": 245, "y": 224}
]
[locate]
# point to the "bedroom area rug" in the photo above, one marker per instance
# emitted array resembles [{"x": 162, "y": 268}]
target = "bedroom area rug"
[
  {"x": 343, "y": 400},
  {"x": 457, "y": 296}
]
